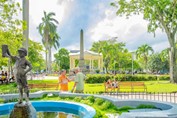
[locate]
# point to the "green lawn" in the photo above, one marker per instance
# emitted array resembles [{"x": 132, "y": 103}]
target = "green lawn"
[{"x": 152, "y": 86}]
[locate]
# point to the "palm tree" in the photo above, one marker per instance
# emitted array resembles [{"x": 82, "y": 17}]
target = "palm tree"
[
  {"x": 50, "y": 38},
  {"x": 143, "y": 52}
]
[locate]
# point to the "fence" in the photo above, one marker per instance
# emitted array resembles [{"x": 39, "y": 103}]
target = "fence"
[{"x": 160, "y": 96}]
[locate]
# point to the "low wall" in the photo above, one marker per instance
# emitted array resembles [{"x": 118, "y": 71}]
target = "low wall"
[{"x": 168, "y": 110}]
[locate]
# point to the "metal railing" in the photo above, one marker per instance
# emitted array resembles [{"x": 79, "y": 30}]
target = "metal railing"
[{"x": 157, "y": 96}]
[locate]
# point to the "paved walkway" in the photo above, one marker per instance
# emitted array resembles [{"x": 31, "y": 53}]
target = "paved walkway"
[{"x": 42, "y": 77}]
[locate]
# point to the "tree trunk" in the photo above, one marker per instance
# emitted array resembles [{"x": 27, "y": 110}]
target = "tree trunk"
[
  {"x": 46, "y": 61},
  {"x": 173, "y": 65},
  {"x": 50, "y": 60}
]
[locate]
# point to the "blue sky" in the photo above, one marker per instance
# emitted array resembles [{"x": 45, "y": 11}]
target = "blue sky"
[{"x": 99, "y": 22}]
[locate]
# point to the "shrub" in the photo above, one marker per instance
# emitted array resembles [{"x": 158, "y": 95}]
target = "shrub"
[
  {"x": 99, "y": 101},
  {"x": 125, "y": 108},
  {"x": 2, "y": 100},
  {"x": 145, "y": 106},
  {"x": 107, "y": 105},
  {"x": 91, "y": 99},
  {"x": 97, "y": 78},
  {"x": 77, "y": 99}
]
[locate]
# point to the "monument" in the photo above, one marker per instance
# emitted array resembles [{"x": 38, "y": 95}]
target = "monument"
[
  {"x": 22, "y": 67},
  {"x": 81, "y": 59}
]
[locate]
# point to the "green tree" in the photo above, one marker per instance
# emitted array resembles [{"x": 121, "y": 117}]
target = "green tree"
[
  {"x": 143, "y": 52},
  {"x": 160, "y": 14},
  {"x": 9, "y": 9},
  {"x": 10, "y": 30},
  {"x": 155, "y": 63},
  {"x": 50, "y": 38},
  {"x": 62, "y": 59},
  {"x": 164, "y": 55},
  {"x": 111, "y": 51},
  {"x": 35, "y": 56}
]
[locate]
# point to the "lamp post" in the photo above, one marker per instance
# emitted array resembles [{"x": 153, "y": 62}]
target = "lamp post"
[{"x": 132, "y": 62}]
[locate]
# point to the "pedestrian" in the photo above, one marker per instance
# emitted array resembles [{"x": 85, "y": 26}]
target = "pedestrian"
[
  {"x": 63, "y": 80},
  {"x": 79, "y": 82}
]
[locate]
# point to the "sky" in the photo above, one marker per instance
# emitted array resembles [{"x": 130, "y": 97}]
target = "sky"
[{"x": 98, "y": 20}]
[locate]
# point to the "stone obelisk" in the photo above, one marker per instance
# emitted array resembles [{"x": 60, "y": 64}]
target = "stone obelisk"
[{"x": 81, "y": 60}]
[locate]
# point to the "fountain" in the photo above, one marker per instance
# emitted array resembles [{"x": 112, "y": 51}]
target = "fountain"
[{"x": 54, "y": 109}]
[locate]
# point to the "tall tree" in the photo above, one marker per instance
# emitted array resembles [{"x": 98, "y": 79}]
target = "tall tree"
[
  {"x": 50, "y": 38},
  {"x": 62, "y": 58},
  {"x": 143, "y": 52},
  {"x": 111, "y": 51},
  {"x": 10, "y": 28},
  {"x": 35, "y": 56},
  {"x": 160, "y": 14}
]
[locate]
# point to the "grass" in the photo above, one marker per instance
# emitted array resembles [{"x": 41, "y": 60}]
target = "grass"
[{"x": 152, "y": 86}]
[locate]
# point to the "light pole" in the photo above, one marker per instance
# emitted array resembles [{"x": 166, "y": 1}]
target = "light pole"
[{"x": 132, "y": 62}]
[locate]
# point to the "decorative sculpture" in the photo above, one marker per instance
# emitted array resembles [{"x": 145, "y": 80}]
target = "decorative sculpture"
[{"x": 20, "y": 71}]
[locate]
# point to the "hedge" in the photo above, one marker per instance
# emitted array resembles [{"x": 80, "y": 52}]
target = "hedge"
[{"x": 97, "y": 78}]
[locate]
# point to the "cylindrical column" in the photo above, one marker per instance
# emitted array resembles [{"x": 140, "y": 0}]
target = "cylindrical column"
[
  {"x": 81, "y": 59},
  {"x": 81, "y": 45},
  {"x": 26, "y": 20},
  {"x": 90, "y": 65},
  {"x": 99, "y": 64}
]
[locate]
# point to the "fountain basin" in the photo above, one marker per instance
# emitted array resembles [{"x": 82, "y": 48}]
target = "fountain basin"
[{"x": 78, "y": 109}]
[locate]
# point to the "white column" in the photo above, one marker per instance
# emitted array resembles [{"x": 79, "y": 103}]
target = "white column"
[
  {"x": 73, "y": 63},
  {"x": 90, "y": 65},
  {"x": 99, "y": 64}
]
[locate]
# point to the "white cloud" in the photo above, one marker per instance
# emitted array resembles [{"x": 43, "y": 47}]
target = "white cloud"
[
  {"x": 132, "y": 31},
  {"x": 61, "y": 8}
]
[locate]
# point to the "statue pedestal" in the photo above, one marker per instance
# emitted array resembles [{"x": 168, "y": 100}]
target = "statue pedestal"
[{"x": 23, "y": 111}]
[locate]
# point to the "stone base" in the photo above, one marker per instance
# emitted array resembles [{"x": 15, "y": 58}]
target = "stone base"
[{"x": 23, "y": 111}]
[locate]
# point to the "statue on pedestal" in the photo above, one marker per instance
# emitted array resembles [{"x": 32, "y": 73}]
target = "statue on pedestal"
[
  {"x": 20, "y": 71},
  {"x": 22, "y": 67}
]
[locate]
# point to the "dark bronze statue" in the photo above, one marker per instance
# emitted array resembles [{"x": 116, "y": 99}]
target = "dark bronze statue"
[{"x": 20, "y": 71}]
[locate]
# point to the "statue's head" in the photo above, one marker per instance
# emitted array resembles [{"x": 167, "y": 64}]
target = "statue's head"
[{"x": 22, "y": 52}]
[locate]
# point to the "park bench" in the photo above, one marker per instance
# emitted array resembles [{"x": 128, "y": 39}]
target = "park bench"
[
  {"x": 43, "y": 86},
  {"x": 127, "y": 85},
  {"x": 132, "y": 86}
]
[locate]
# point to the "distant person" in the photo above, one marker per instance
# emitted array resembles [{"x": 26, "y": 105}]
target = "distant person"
[
  {"x": 3, "y": 76},
  {"x": 109, "y": 83},
  {"x": 79, "y": 81},
  {"x": 5, "y": 73},
  {"x": 12, "y": 79},
  {"x": 115, "y": 84},
  {"x": 63, "y": 81}
]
